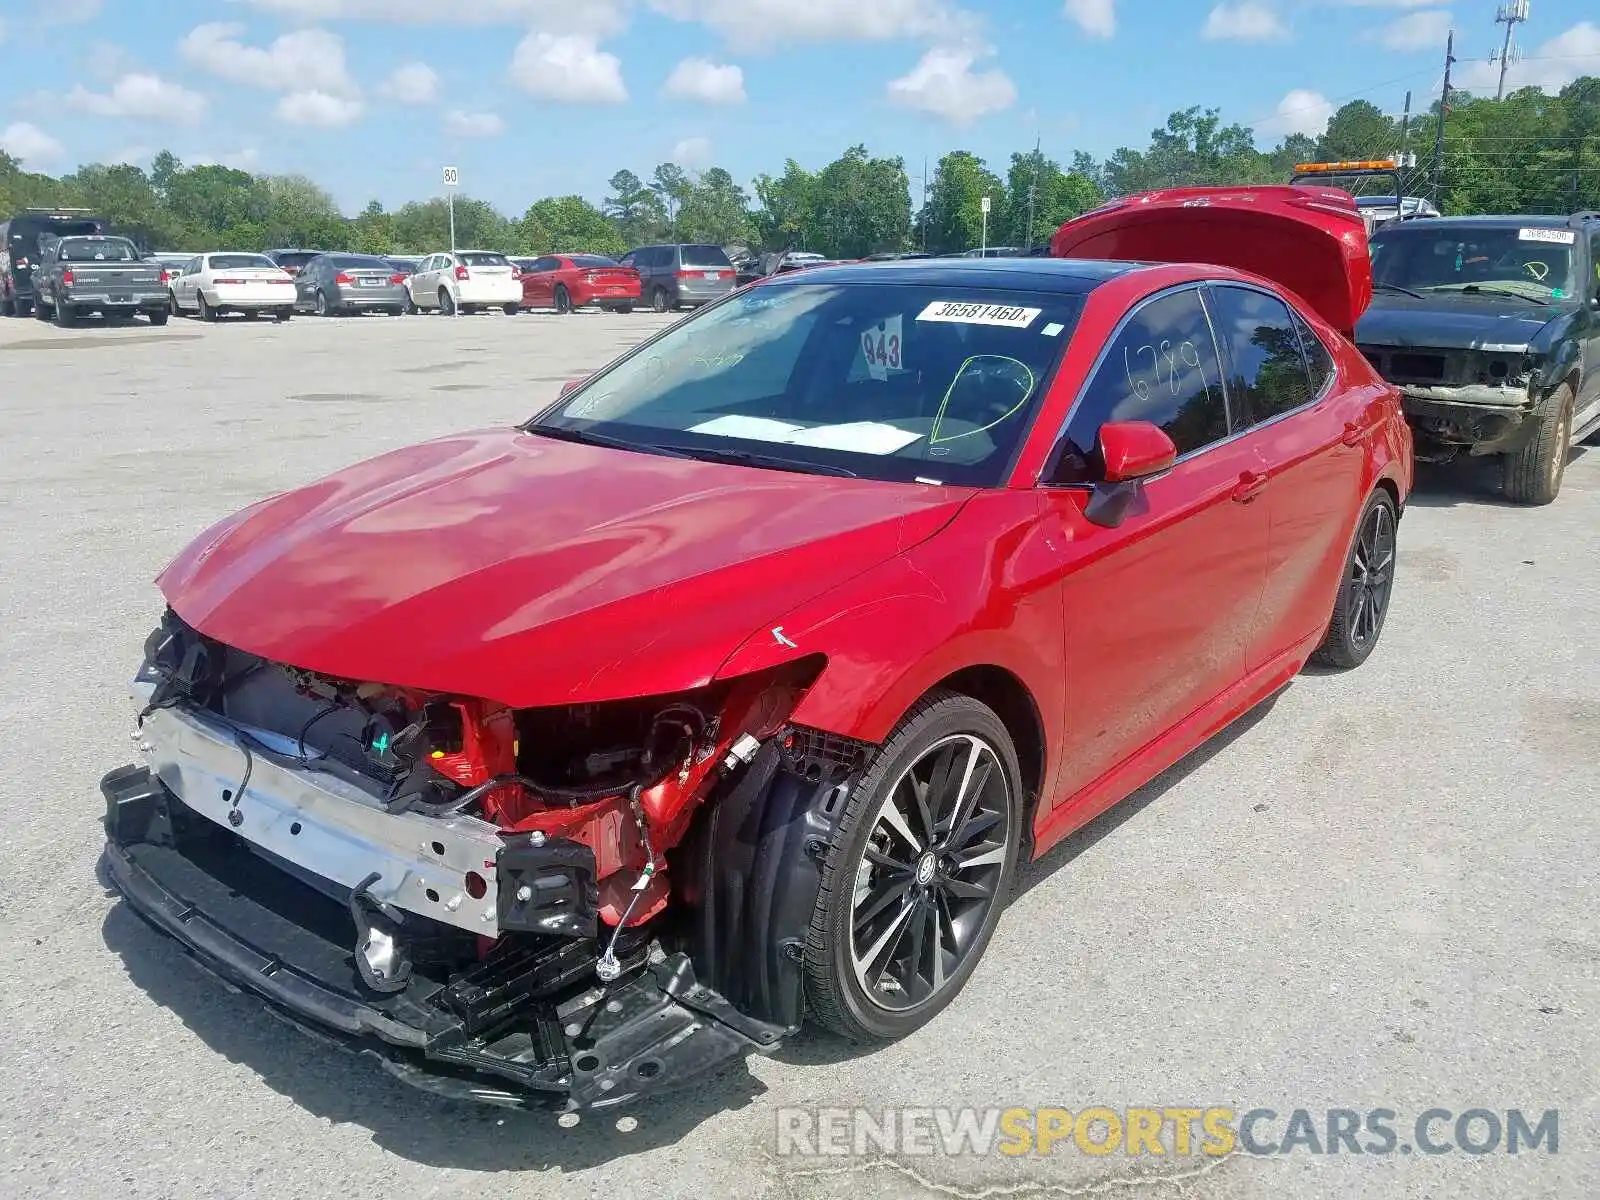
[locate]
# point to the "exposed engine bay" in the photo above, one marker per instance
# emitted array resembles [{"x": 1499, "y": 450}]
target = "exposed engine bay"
[{"x": 516, "y": 894}]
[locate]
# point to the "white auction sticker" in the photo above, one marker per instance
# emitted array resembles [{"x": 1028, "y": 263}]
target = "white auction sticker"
[
  {"x": 963, "y": 313},
  {"x": 1561, "y": 237}
]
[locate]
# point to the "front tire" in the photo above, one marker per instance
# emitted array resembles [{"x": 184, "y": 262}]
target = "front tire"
[
  {"x": 1364, "y": 588},
  {"x": 1533, "y": 474},
  {"x": 917, "y": 872}
]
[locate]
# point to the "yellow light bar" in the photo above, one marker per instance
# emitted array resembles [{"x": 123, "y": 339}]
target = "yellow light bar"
[{"x": 1376, "y": 164}]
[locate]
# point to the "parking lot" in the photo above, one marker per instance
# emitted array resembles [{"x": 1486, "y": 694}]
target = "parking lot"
[{"x": 1375, "y": 892}]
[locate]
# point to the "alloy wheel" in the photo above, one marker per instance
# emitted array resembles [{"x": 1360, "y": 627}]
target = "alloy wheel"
[
  {"x": 1372, "y": 575},
  {"x": 1558, "y": 453},
  {"x": 930, "y": 872}
]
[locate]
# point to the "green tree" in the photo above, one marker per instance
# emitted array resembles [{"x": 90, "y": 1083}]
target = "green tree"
[
  {"x": 784, "y": 220},
  {"x": 715, "y": 209},
  {"x": 636, "y": 208},
  {"x": 1358, "y": 131},
  {"x": 1056, "y": 195},
  {"x": 860, "y": 205},
  {"x": 569, "y": 224},
  {"x": 671, "y": 183},
  {"x": 423, "y": 227},
  {"x": 953, "y": 218},
  {"x": 373, "y": 231}
]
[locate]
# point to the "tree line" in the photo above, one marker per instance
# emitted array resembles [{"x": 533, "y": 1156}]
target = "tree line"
[{"x": 1531, "y": 152}]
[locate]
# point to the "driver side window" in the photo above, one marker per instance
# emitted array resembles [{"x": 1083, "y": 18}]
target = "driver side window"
[{"x": 1162, "y": 367}]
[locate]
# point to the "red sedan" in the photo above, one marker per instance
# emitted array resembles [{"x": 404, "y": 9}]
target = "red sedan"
[
  {"x": 569, "y": 761},
  {"x": 568, "y": 282}
]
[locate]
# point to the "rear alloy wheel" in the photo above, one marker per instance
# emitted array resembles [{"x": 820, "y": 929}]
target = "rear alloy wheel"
[
  {"x": 409, "y": 308},
  {"x": 447, "y": 302},
  {"x": 658, "y": 300},
  {"x": 917, "y": 873},
  {"x": 1533, "y": 474},
  {"x": 563, "y": 299},
  {"x": 319, "y": 303},
  {"x": 1364, "y": 591},
  {"x": 207, "y": 313}
]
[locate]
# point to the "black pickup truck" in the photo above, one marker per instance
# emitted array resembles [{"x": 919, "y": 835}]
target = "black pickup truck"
[
  {"x": 1490, "y": 328},
  {"x": 96, "y": 273}
]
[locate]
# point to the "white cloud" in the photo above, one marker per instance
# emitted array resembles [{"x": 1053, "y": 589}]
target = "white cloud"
[
  {"x": 323, "y": 109},
  {"x": 693, "y": 154},
  {"x": 1244, "y": 21},
  {"x": 708, "y": 82},
  {"x": 307, "y": 60},
  {"x": 766, "y": 23},
  {"x": 241, "y": 160},
  {"x": 473, "y": 124},
  {"x": 1097, "y": 18},
  {"x": 1569, "y": 55},
  {"x": 944, "y": 83},
  {"x": 69, "y": 12},
  {"x": 141, "y": 95},
  {"x": 569, "y": 68},
  {"x": 1300, "y": 111},
  {"x": 412, "y": 83},
  {"x": 36, "y": 148},
  {"x": 1425, "y": 30},
  {"x": 597, "y": 18}
]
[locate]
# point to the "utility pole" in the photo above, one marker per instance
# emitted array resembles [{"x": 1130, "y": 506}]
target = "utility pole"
[
  {"x": 1033, "y": 191},
  {"x": 1510, "y": 15},
  {"x": 925, "y": 215},
  {"x": 1444, "y": 107}
]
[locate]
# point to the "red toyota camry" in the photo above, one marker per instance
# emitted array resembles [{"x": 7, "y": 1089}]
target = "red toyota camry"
[{"x": 570, "y": 761}]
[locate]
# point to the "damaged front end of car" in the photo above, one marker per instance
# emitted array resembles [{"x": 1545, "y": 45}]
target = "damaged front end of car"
[
  {"x": 1465, "y": 400},
  {"x": 574, "y": 906}
]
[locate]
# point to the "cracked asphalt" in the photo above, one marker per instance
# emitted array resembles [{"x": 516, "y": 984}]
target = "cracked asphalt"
[{"x": 1379, "y": 891}]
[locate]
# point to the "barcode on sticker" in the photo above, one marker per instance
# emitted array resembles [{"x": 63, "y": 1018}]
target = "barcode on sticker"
[
  {"x": 1561, "y": 237},
  {"x": 964, "y": 313}
]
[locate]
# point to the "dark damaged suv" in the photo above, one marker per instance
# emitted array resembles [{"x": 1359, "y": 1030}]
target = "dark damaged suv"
[{"x": 1490, "y": 327}]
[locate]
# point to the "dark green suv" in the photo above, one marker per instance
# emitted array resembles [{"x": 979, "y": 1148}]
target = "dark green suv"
[{"x": 1490, "y": 328}]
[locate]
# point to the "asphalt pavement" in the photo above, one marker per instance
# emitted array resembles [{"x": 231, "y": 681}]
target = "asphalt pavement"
[{"x": 1376, "y": 892}]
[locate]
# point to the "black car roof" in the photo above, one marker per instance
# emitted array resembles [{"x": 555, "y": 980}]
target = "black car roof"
[{"x": 1073, "y": 275}]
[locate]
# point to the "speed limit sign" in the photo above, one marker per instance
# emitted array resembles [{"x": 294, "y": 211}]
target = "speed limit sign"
[{"x": 451, "y": 177}]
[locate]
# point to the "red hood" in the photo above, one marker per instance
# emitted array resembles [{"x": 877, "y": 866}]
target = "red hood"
[
  {"x": 1309, "y": 240},
  {"x": 520, "y": 569}
]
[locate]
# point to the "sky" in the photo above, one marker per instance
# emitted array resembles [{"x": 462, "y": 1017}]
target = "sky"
[{"x": 528, "y": 98}]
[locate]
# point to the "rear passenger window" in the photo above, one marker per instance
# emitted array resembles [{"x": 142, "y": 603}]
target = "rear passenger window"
[
  {"x": 1161, "y": 368},
  {"x": 1318, "y": 361},
  {"x": 1267, "y": 370}
]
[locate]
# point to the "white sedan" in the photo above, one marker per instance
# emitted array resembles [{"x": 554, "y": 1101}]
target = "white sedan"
[
  {"x": 465, "y": 280},
  {"x": 209, "y": 285}
]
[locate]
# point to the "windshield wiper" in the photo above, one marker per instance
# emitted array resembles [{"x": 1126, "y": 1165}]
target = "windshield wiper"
[
  {"x": 1479, "y": 290},
  {"x": 1395, "y": 287},
  {"x": 587, "y": 438},
  {"x": 746, "y": 458}
]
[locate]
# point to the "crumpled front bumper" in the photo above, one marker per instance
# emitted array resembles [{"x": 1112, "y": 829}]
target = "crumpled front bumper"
[{"x": 528, "y": 1026}]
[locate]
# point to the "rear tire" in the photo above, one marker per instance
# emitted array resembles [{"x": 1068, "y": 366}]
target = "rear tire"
[
  {"x": 8, "y": 307},
  {"x": 659, "y": 302},
  {"x": 1365, "y": 588},
  {"x": 319, "y": 304},
  {"x": 21, "y": 307},
  {"x": 158, "y": 316},
  {"x": 283, "y": 314},
  {"x": 66, "y": 316},
  {"x": 513, "y": 309},
  {"x": 623, "y": 308},
  {"x": 1533, "y": 474},
  {"x": 41, "y": 311},
  {"x": 204, "y": 310},
  {"x": 250, "y": 314},
  {"x": 917, "y": 873},
  {"x": 447, "y": 302},
  {"x": 563, "y": 299}
]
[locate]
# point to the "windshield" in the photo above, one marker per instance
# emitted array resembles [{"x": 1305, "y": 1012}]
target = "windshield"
[
  {"x": 97, "y": 250},
  {"x": 242, "y": 262},
  {"x": 886, "y": 381},
  {"x": 1535, "y": 263}
]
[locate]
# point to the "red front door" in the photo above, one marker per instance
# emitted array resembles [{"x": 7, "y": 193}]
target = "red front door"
[{"x": 1159, "y": 610}]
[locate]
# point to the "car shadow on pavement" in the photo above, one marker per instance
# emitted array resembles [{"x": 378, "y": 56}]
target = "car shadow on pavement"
[
  {"x": 346, "y": 1088},
  {"x": 814, "y": 1048},
  {"x": 1470, "y": 481}
]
